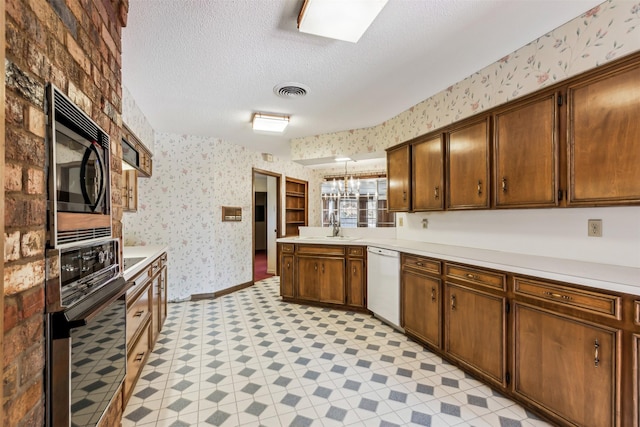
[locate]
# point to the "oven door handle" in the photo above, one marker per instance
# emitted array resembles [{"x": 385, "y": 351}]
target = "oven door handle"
[
  {"x": 82, "y": 313},
  {"x": 100, "y": 193}
]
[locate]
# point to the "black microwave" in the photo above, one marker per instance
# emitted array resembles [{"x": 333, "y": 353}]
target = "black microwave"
[{"x": 79, "y": 188}]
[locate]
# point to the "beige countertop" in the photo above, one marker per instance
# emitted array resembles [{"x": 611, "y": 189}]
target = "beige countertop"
[
  {"x": 149, "y": 253},
  {"x": 600, "y": 276}
]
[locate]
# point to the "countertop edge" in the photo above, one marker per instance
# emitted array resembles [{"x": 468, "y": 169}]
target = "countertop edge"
[
  {"x": 150, "y": 253},
  {"x": 600, "y": 276}
]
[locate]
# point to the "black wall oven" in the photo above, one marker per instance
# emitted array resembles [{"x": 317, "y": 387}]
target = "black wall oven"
[
  {"x": 79, "y": 174},
  {"x": 85, "y": 328}
]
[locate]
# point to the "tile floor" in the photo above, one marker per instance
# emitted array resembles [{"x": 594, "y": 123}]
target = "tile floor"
[{"x": 248, "y": 359}]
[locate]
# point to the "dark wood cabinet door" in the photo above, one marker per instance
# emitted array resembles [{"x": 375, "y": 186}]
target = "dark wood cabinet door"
[
  {"x": 604, "y": 139},
  {"x": 525, "y": 154},
  {"x": 475, "y": 330},
  {"x": 356, "y": 282},
  {"x": 566, "y": 365},
  {"x": 332, "y": 286},
  {"x": 428, "y": 174},
  {"x": 468, "y": 166},
  {"x": 308, "y": 278},
  {"x": 286, "y": 276},
  {"x": 398, "y": 179},
  {"x": 421, "y": 306}
]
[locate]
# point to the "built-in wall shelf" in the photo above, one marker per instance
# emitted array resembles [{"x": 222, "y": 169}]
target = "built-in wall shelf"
[{"x": 296, "y": 205}]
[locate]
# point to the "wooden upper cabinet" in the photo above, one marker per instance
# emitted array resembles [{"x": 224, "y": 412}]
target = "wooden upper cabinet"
[
  {"x": 604, "y": 139},
  {"x": 428, "y": 174},
  {"x": 526, "y": 154},
  {"x": 398, "y": 178},
  {"x": 468, "y": 166}
]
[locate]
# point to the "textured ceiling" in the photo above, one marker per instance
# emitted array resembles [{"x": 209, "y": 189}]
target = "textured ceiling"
[{"x": 203, "y": 67}]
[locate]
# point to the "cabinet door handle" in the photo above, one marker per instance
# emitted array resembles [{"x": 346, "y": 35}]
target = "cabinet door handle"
[
  {"x": 596, "y": 358},
  {"x": 479, "y": 187},
  {"x": 354, "y": 271},
  {"x": 139, "y": 356},
  {"x": 433, "y": 294},
  {"x": 555, "y": 295},
  {"x": 453, "y": 302},
  {"x": 138, "y": 313},
  {"x": 436, "y": 193},
  {"x": 419, "y": 264},
  {"x": 504, "y": 184},
  {"x": 323, "y": 268},
  {"x": 404, "y": 196},
  {"x": 316, "y": 266},
  {"x": 472, "y": 276},
  {"x": 288, "y": 265}
]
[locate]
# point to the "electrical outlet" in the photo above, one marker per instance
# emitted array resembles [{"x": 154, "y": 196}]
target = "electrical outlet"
[
  {"x": 400, "y": 221},
  {"x": 425, "y": 223},
  {"x": 595, "y": 228}
]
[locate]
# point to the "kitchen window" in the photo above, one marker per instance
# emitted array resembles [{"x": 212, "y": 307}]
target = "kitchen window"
[{"x": 358, "y": 202}]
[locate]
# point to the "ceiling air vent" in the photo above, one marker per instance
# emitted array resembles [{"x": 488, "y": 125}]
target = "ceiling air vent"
[{"x": 291, "y": 90}]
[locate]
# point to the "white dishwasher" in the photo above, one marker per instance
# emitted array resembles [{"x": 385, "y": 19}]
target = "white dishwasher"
[{"x": 383, "y": 285}]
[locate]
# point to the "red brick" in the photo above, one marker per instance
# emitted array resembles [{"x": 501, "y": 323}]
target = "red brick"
[
  {"x": 24, "y": 148},
  {"x": 12, "y": 177},
  {"x": 21, "y": 277},
  {"x": 10, "y": 382},
  {"x": 35, "y": 181},
  {"x": 11, "y": 315},
  {"x": 14, "y": 111},
  {"x": 31, "y": 364},
  {"x": 24, "y": 335},
  {"x": 32, "y": 302},
  {"x": 11, "y": 246},
  {"x": 32, "y": 243},
  {"x": 24, "y": 403}
]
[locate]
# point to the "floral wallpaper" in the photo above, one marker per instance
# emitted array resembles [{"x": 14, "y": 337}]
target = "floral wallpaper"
[
  {"x": 608, "y": 31},
  {"x": 181, "y": 206}
]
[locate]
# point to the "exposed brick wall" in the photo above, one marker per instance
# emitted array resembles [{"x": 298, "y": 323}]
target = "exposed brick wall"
[{"x": 75, "y": 44}]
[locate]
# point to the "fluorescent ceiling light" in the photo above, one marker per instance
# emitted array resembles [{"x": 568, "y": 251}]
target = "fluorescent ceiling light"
[
  {"x": 338, "y": 19},
  {"x": 269, "y": 122},
  {"x": 343, "y": 159}
]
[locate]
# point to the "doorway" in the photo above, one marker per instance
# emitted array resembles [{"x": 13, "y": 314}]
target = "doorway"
[{"x": 266, "y": 223}]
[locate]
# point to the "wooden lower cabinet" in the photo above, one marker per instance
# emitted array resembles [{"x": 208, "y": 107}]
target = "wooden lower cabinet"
[
  {"x": 321, "y": 279},
  {"x": 324, "y": 274},
  {"x": 286, "y": 275},
  {"x": 146, "y": 313},
  {"x": 475, "y": 330},
  {"x": 636, "y": 379},
  {"x": 420, "y": 304},
  {"x": 566, "y": 366},
  {"x": 356, "y": 283}
]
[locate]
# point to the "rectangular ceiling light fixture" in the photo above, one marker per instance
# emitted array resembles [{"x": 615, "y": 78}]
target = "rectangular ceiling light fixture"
[
  {"x": 338, "y": 19},
  {"x": 269, "y": 122}
]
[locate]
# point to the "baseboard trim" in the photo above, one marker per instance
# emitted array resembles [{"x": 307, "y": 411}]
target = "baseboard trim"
[{"x": 220, "y": 293}]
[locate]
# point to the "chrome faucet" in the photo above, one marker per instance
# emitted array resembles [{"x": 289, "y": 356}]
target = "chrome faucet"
[{"x": 333, "y": 221}]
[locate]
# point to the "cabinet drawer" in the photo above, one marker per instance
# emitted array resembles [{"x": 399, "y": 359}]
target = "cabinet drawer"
[
  {"x": 135, "y": 361},
  {"x": 287, "y": 247},
  {"x": 321, "y": 250},
  {"x": 355, "y": 251},
  {"x": 473, "y": 275},
  {"x": 423, "y": 264},
  {"x": 636, "y": 318},
  {"x": 594, "y": 302},
  {"x": 138, "y": 311}
]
